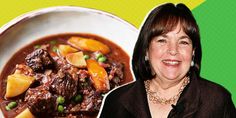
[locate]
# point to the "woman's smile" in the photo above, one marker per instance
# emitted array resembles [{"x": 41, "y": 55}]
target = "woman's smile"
[{"x": 172, "y": 63}]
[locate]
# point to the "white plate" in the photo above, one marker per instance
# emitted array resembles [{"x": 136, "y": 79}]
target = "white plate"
[{"x": 63, "y": 19}]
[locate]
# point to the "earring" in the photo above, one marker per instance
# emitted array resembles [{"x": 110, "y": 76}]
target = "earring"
[
  {"x": 192, "y": 63},
  {"x": 146, "y": 58}
]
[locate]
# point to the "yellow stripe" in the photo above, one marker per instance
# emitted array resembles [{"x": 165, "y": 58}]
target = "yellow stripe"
[{"x": 190, "y": 3}]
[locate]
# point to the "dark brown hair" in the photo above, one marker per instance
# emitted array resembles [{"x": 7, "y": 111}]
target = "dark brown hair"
[{"x": 161, "y": 20}]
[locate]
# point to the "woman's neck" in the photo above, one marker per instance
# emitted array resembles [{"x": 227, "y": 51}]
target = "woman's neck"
[{"x": 166, "y": 89}]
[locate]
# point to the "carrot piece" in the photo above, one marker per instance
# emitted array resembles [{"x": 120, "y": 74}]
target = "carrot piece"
[
  {"x": 99, "y": 75},
  {"x": 88, "y": 44}
]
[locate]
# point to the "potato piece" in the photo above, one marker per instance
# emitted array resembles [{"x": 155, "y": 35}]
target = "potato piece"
[
  {"x": 17, "y": 84},
  {"x": 63, "y": 50},
  {"x": 88, "y": 44},
  {"x": 25, "y": 114},
  {"x": 99, "y": 76},
  {"x": 76, "y": 59}
]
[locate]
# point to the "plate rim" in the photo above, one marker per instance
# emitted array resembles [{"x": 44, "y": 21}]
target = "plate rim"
[{"x": 37, "y": 12}]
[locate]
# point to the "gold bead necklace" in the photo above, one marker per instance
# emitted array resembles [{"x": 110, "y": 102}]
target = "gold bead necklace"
[{"x": 153, "y": 96}]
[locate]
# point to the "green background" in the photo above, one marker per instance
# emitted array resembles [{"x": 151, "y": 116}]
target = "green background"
[{"x": 216, "y": 20}]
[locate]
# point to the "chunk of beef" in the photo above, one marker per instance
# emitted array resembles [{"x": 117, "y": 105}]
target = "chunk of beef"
[
  {"x": 115, "y": 71},
  {"x": 43, "y": 79},
  {"x": 63, "y": 84},
  {"x": 40, "y": 101},
  {"x": 73, "y": 72},
  {"x": 61, "y": 62},
  {"x": 91, "y": 103},
  {"x": 104, "y": 65},
  {"x": 83, "y": 74},
  {"x": 24, "y": 69},
  {"x": 39, "y": 60}
]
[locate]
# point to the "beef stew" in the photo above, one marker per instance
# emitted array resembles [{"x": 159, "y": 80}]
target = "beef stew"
[{"x": 62, "y": 75}]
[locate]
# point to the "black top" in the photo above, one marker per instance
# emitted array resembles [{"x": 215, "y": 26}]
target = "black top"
[{"x": 200, "y": 99}]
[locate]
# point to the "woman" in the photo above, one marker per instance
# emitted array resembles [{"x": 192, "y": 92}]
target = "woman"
[{"x": 166, "y": 63}]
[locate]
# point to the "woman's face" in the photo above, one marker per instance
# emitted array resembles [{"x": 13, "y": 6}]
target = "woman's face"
[{"x": 170, "y": 54}]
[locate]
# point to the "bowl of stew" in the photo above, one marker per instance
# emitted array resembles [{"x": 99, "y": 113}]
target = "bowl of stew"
[{"x": 62, "y": 61}]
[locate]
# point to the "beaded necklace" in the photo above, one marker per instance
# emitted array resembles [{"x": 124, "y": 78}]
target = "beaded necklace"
[{"x": 153, "y": 96}]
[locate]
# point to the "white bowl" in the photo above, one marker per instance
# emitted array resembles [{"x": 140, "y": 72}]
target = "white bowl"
[{"x": 63, "y": 19}]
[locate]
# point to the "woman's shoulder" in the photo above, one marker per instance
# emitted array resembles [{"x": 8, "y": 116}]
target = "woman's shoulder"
[
  {"x": 112, "y": 103},
  {"x": 212, "y": 87},
  {"x": 214, "y": 98},
  {"x": 118, "y": 92},
  {"x": 212, "y": 90}
]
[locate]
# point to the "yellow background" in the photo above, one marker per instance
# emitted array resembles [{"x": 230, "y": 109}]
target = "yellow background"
[{"x": 132, "y": 11}]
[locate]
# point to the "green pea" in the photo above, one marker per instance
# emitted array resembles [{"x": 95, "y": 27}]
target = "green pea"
[
  {"x": 102, "y": 59},
  {"x": 78, "y": 98},
  {"x": 60, "y": 108},
  {"x": 7, "y": 108},
  {"x": 86, "y": 57},
  {"x": 54, "y": 48},
  {"x": 12, "y": 105},
  {"x": 60, "y": 100},
  {"x": 99, "y": 55}
]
